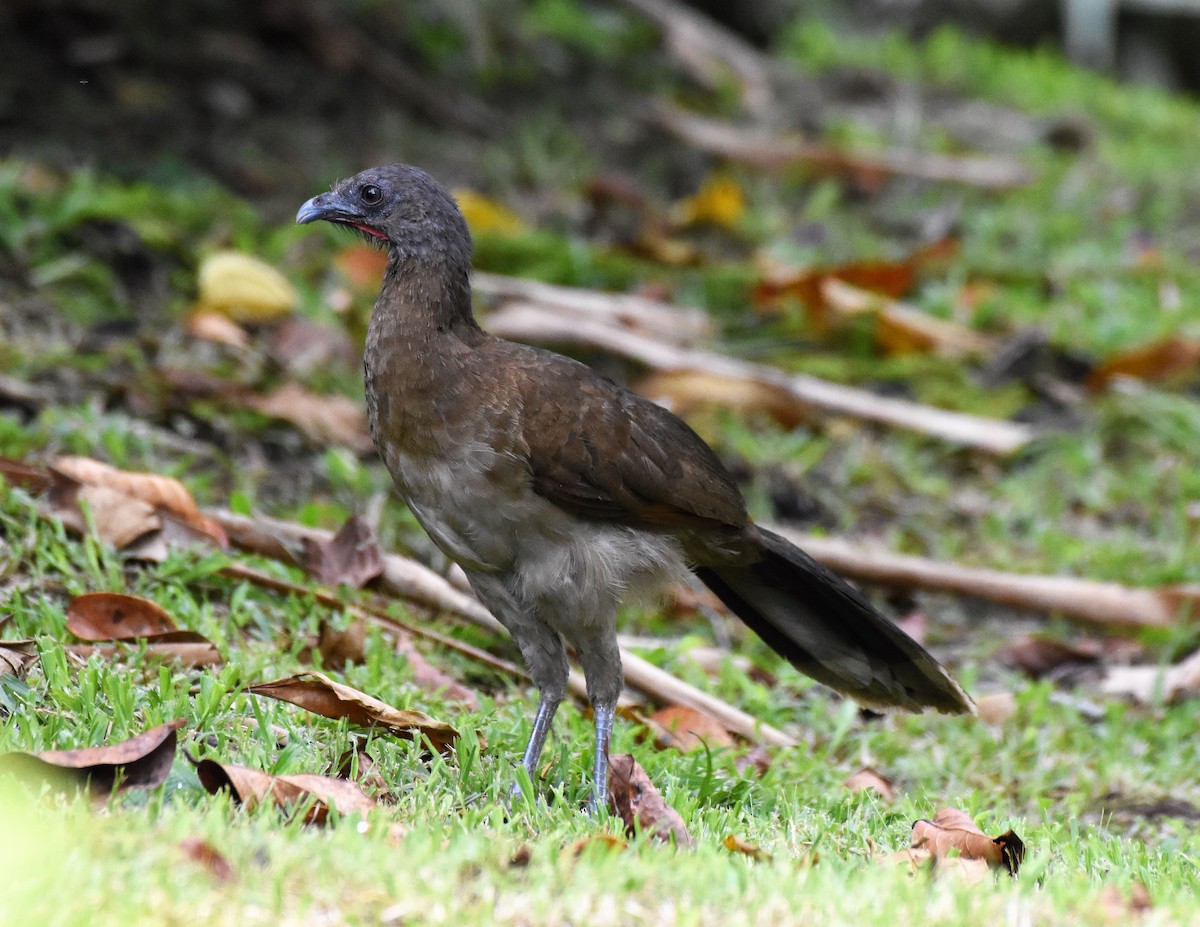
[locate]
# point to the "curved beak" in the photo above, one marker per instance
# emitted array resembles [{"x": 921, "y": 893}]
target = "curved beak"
[{"x": 328, "y": 206}]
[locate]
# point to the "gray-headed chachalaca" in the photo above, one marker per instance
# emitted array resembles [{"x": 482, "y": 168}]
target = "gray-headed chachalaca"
[{"x": 561, "y": 493}]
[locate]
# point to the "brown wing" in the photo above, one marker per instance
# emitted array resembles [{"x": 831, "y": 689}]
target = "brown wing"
[{"x": 603, "y": 452}]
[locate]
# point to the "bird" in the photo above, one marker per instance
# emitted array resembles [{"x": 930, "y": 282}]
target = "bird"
[{"x": 562, "y": 493}]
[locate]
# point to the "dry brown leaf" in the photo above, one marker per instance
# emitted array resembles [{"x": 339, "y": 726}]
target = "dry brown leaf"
[
  {"x": 339, "y": 649},
  {"x": 16, "y": 473},
  {"x": 113, "y": 616},
  {"x": 352, "y": 556},
  {"x": 1119, "y": 909},
  {"x": 868, "y": 779},
  {"x": 141, "y": 762},
  {"x": 1038, "y": 655},
  {"x": 118, "y": 518},
  {"x": 16, "y": 657},
  {"x": 639, "y": 803},
  {"x": 322, "y": 419},
  {"x": 366, "y": 774},
  {"x": 738, "y": 845},
  {"x": 249, "y": 787},
  {"x": 997, "y": 708},
  {"x": 209, "y": 857},
  {"x": 186, "y": 648},
  {"x": 432, "y": 679},
  {"x": 161, "y": 492},
  {"x": 593, "y": 843},
  {"x": 688, "y": 729},
  {"x": 125, "y": 505},
  {"x": 953, "y": 830},
  {"x": 319, "y": 694},
  {"x": 243, "y": 288},
  {"x": 757, "y": 758},
  {"x": 1157, "y": 361},
  {"x": 207, "y": 325},
  {"x": 302, "y": 346},
  {"x": 362, "y": 266},
  {"x": 1148, "y": 684}
]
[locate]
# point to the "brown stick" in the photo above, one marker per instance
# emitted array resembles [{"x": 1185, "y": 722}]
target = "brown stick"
[
  {"x": 528, "y": 322},
  {"x": 677, "y": 324},
  {"x": 414, "y": 581},
  {"x": 710, "y": 52},
  {"x": 1110, "y": 605},
  {"x": 753, "y": 146}
]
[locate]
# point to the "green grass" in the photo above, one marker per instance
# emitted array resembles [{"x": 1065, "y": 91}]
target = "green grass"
[
  {"x": 1049, "y": 773},
  {"x": 1111, "y": 496}
]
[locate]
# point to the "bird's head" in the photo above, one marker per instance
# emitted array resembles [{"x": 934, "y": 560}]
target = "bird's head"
[{"x": 399, "y": 207}]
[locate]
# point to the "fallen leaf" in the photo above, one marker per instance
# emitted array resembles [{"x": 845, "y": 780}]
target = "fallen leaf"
[
  {"x": 250, "y": 787},
  {"x": 1156, "y": 361},
  {"x": 520, "y": 857},
  {"x": 757, "y": 758},
  {"x": 916, "y": 625},
  {"x": 362, "y": 266},
  {"x": 1038, "y": 655},
  {"x": 16, "y": 657},
  {"x": 868, "y": 779},
  {"x": 141, "y": 762},
  {"x": 687, "y": 729},
  {"x": 1149, "y": 684},
  {"x": 636, "y": 800},
  {"x": 302, "y": 346},
  {"x": 352, "y": 556},
  {"x": 1119, "y": 909},
  {"x": 953, "y": 830},
  {"x": 152, "y": 489},
  {"x": 340, "y": 648},
  {"x": 113, "y": 616},
  {"x": 322, "y": 419},
  {"x": 209, "y": 857},
  {"x": 35, "y": 479},
  {"x": 366, "y": 774},
  {"x": 594, "y": 842},
  {"x": 118, "y": 518},
  {"x": 207, "y": 325},
  {"x": 432, "y": 679},
  {"x": 319, "y": 694},
  {"x": 186, "y": 648},
  {"x": 720, "y": 201},
  {"x": 243, "y": 288},
  {"x": 738, "y": 845},
  {"x": 997, "y": 708},
  {"x": 484, "y": 214}
]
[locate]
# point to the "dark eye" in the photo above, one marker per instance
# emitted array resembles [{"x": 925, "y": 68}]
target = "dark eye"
[{"x": 370, "y": 194}]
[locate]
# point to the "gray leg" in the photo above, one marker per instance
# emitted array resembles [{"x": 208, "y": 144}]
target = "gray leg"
[
  {"x": 544, "y": 652},
  {"x": 605, "y": 713},
  {"x": 541, "y": 727}
]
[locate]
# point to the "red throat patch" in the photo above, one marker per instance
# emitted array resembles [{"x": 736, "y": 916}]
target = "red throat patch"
[{"x": 370, "y": 230}]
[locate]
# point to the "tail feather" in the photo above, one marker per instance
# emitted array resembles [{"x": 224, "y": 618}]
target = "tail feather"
[{"x": 826, "y": 629}]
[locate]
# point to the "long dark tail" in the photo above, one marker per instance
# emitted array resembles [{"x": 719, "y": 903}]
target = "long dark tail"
[{"x": 826, "y": 629}]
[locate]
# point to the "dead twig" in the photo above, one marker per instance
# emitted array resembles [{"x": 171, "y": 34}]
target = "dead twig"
[
  {"x": 1109, "y": 605},
  {"x": 677, "y": 324},
  {"x": 711, "y": 53},
  {"x": 766, "y": 151}
]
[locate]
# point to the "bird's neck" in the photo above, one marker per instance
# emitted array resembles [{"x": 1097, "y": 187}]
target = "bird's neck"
[{"x": 420, "y": 345}]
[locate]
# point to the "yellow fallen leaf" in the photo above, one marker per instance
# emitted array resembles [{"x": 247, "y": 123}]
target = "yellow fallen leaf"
[
  {"x": 720, "y": 201},
  {"x": 243, "y": 288},
  {"x": 486, "y": 215}
]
